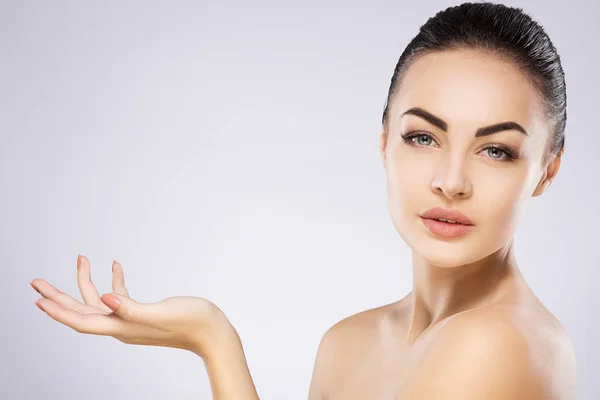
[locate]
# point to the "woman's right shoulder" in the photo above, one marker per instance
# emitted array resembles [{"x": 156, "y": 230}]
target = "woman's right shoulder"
[
  {"x": 340, "y": 346},
  {"x": 356, "y": 334},
  {"x": 365, "y": 323}
]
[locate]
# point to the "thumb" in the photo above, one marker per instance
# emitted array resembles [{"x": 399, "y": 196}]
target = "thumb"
[{"x": 129, "y": 309}]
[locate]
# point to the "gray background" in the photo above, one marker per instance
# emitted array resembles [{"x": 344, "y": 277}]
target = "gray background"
[{"x": 230, "y": 150}]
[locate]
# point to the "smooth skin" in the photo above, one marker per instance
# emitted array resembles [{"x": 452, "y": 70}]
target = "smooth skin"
[
  {"x": 188, "y": 323},
  {"x": 471, "y": 328}
]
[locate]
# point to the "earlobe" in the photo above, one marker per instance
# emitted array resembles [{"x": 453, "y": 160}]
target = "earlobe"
[
  {"x": 541, "y": 188},
  {"x": 549, "y": 175}
]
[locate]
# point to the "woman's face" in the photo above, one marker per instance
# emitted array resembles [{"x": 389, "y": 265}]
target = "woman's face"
[{"x": 488, "y": 177}]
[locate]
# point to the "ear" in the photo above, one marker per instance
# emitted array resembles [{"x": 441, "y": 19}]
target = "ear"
[
  {"x": 383, "y": 145},
  {"x": 549, "y": 174}
]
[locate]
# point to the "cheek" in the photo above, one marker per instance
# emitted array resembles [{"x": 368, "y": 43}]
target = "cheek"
[
  {"x": 499, "y": 197},
  {"x": 408, "y": 188},
  {"x": 408, "y": 177}
]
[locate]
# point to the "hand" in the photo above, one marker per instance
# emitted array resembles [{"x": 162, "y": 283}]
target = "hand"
[{"x": 189, "y": 323}]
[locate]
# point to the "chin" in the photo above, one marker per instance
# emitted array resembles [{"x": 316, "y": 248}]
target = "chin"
[
  {"x": 444, "y": 258},
  {"x": 443, "y": 252}
]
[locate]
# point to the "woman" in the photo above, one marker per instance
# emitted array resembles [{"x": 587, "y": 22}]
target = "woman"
[{"x": 472, "y": 129}]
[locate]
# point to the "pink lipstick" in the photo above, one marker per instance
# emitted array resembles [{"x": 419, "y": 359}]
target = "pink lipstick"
[{"x": 446, "y": 222}]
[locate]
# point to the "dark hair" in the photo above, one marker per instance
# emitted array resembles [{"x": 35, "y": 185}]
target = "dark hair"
[{"x": 495, "y": 29}]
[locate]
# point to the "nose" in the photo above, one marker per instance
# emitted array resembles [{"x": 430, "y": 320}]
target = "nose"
[{"x": 451, "y": 179}]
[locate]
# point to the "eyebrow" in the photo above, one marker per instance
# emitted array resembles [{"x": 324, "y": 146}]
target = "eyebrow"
[{"x": 487, "y": 130}]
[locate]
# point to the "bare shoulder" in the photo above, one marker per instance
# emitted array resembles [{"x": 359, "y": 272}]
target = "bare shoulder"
[
  {"x": 366, "y": 324},
  {"x": 534, "y": 327},
  {"x": 510, "y": 351},
  {"x": 343, "y": 344}
]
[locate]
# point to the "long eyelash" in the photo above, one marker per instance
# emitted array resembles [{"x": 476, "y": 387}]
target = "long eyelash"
[
  {"x": 509, "y": 154},
  {"x": 408, "y": 138}
]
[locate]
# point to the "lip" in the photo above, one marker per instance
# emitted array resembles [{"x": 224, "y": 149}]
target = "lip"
[
  {"x": 462, "y": 226},
  {"x": 446, "y": 213}
]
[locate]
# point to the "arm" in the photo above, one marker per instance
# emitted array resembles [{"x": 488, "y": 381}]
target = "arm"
[
  {"x": 184, "y": 322},
  {"x": 227, "y": 369},
  {"x": 324, "y": 365},
  {"x": 479, "y": 358}
]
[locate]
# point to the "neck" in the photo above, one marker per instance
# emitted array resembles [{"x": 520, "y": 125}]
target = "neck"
[{"x": 440, "y": 292}]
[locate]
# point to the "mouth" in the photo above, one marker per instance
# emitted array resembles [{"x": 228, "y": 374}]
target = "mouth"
[
  {"x": 450, "y": 221},
  {"x": 447, "y": 215},
  {"x": 446, "y": 222}
]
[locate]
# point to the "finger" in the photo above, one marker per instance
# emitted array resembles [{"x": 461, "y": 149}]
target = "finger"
[
  {"x": 103, "y": 325},
  {"x": 151, "y": 314},
  {"x": 62, "y": 299},
  {"x": 118, "y": 280},
  {"x": 90, "y": 323},
  {"x": 87, "y": 289}
]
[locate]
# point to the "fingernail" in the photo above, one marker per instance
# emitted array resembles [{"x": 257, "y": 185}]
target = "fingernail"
[
  {"x": 113, "y": 266},
  {"x": 40, "y": 307},
  {"x": 112, "y": 301},
  {"x": 78, "y": 261},
  {"x": 34, "y": 288}
]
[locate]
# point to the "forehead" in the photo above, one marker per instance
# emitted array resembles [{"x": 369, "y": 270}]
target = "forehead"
[{"x": 469, "y": 89}]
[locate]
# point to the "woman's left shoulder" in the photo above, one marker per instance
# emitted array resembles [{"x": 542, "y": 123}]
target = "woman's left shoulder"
[
  {"x": 530, "y": 320},
  {"x": 528, "y": 330},
  {"x": 528, "y": 317},
  {"x": 508, "y": 352}
]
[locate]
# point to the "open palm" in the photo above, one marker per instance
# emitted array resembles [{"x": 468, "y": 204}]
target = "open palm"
[{"x": 190, "y": 323}]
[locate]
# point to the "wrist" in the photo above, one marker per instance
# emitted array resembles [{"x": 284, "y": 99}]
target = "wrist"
[
  {"x": 223, "y": 342},
  {"x": 218, "y": 336}
]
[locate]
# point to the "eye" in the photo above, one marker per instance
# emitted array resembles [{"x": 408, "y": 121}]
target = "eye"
[
  {"x": 498, "y": 153},
  {"x": 420, "y": 139}
]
